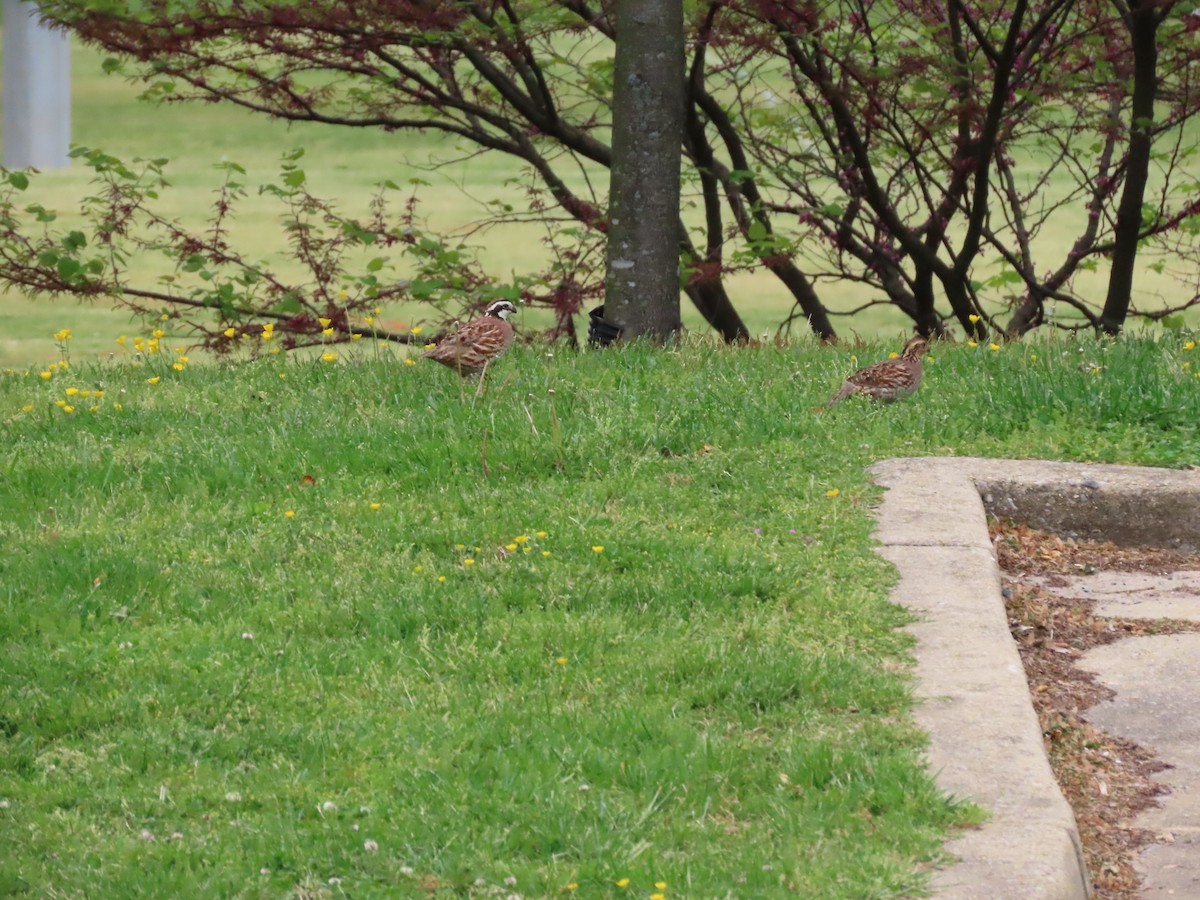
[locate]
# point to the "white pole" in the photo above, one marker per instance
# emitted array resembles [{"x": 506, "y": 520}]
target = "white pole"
[{"x": 37, "y": 90}]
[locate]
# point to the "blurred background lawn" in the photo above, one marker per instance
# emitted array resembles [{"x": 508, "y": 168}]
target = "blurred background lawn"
[{"x": 345, "y": 163}]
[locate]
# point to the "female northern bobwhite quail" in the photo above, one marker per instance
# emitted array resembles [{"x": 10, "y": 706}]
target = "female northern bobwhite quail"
[
  {"x": 472, "y": 347},
  {"x": 888, "y": 380}
]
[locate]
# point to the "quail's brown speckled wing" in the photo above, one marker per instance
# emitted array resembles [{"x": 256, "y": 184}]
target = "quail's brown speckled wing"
[
  {"x": 888, "y": 380},
  {"x": 476, "y": 344}
]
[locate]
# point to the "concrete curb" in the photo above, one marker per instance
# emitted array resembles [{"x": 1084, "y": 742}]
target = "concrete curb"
[{"x": 985, "y": 741}]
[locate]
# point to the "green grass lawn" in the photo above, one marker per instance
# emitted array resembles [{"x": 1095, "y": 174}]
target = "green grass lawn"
[{"x": 293, "y": 628}]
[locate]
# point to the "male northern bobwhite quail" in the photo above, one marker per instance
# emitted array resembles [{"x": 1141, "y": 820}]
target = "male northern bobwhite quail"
[
  {"x": 888, "y": 380},
  {"x": 472, "y": 347}
]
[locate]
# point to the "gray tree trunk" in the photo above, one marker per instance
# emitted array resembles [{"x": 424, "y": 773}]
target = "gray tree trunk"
[{"x": 642, "y": 280}]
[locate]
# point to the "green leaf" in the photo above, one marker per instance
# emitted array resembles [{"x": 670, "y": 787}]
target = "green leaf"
[
  {"x": 294, "y": 178},
  {"x": 376, "y": 264},
  {"x": 19, "y": 180},
  {"x": 68, "y": 268},
  {"x": 289, "y": 304},
  {"x": 1173, "y": 323}
]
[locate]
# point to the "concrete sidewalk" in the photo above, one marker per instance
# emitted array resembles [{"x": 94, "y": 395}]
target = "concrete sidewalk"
[{"x": 985, "y": 741}]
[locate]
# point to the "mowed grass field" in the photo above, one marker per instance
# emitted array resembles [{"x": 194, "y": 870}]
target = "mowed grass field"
[{"x": 613, "y": 628}]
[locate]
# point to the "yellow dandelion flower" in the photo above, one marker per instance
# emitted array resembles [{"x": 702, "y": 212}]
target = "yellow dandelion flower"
[
  {"x": 71, "y": 391},
  {"x": 598, "y": 548},
  {"x": 328, "y": 356},
  {"x": 409, "y": 361},
  {"x": 418, "y": 569},
  {"x": 60, "y": 403},
  {"x": 376, "y": 506},
  {"x": 1190, "y": 345},
  {"x": 343, "y": 294},
  {"x": 658, "y": 896},
  {"x": 152, "y": 346},
  {"x": 541, "y": 534},
  {"x": 67, "y": 408},
  {"x": 460, "y": 546},
  {"x": 993, "y": 346},
  {"x": 118, "y": 406},
  {"x": 229, "y": 332},
  {"x": 545, "y": 553},
  {"x": 289, "y": 513},
  {"x": 183, "y": 359},
  {"x": 661, "y": 885},
  {"x": 572, "y": 886},
  {"x": 28, "y": 407},
  {"x": 158, "y": 333},
  {"x": 972, "y": 344},
  {"x": 972, "y": 318},
  {"x": 121, "y": 340},
  {"x": 510, "y": 547},
  {"x": 64, "y": 364},
  {"x": 324, "y": 322},
  {"x": 164, "y": 317},
  {"x": 46, "y": 373},
  {"x": 893, "y": 355},
  {"x": 370, "y": 320},
  {"x": 1033, "y": 357},
  {"x": 562, "y": 660},
  {"x": 283, "y": 374},
  {"x": 155, "y": 380},
  {"x": 622, "y": 882},
  {"x": 356, "y": 337},
  {"x": 179, "y": 367},
  {"x": 441, "y": 578},
  {"x": 63, "y": 334},
  {"x": 832, "y": 492},
  {"x": 430, "y": 345},
  {"x": 416, "y": 329},
  {"x": 521, "y": 538},
  {"x": 378, "y": 310},
  {"x": 468, "y": 561},
  {"x": 328, "y": 332}
]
